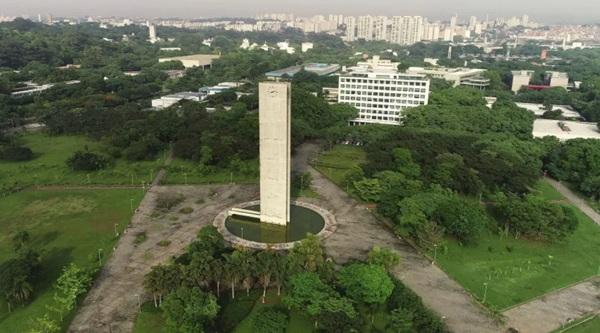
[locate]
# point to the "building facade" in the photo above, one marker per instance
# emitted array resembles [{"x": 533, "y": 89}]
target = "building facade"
[{"x": 380, "y": 92}]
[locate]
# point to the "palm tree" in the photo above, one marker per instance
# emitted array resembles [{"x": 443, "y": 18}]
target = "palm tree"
[
  {"x": 217, "y": 270},
  {"x": 232, "y": 269},
  {"x": 198, "y": 272},
  {"x": 161, "y": 280},
  {"x": 247, "y": 267},
  {"x": 280, "y": 270},
  {"x": 265, "y": 267}
]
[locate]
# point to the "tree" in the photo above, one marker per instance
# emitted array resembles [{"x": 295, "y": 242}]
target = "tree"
[
  {"x": 247, "y": 268},
  {"x": 400, "y": 321},
  {"x": 45, "y": 324},
  {"x": 161, "y": 280},
  {"x": 307, "y": 293},
  {"x": 368, "y": 189},
  {"x": 462, "y": 218},
  {"x": 265, "y": 266},
  {"x": 187, "y": 310},
  {"x": 72, "y": 283},
  {"x": 366, "y": 284},
  {"x": 233, "y": 271},
  {"x": 16, "y": 153},
  {"x": 280, "y": 270},
  {"x": 87, "y": 161},
  {"x": 270, "y": 320},
  {"x": 307, "y": 255},
  {"x": 383, "y": 257}
]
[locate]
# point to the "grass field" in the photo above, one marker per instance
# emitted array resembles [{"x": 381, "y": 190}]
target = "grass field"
[
  {"x": 183, "y": 172},
  {"x": 591, "y": 326},
  {"x": 339, "y": 161},
  {"x": 65, "y": 226},
  {"x": 517, "y": 270},
  {"x": 49, "y": 167},
  {"x": 298, "y": 322},
  {"x": 150, "y": 320}
]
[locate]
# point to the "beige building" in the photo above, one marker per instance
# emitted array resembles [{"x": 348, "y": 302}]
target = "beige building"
[
  {"x": 558, "y": 79},
  {"x": 470, "y": 77},
  {"x": 521, "y": 79},
  {"x": 275, "y": 151},
  {"x": 194, "y": 60}
]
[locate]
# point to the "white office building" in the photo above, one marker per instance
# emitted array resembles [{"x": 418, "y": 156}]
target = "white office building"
[
  {"x": 406, "y": 30},
  {"x": 350, "y": 22},
  {"x": 380, "y": 92}
]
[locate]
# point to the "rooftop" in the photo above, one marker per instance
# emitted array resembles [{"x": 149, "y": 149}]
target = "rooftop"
[{"x": 569, "y": 130}]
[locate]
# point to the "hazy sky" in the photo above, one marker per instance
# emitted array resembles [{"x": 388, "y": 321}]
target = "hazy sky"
[{"x": 548, "y": 11}]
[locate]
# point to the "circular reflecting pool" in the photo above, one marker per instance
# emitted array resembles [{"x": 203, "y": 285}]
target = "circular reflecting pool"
[{"x": 302, "y": 221}]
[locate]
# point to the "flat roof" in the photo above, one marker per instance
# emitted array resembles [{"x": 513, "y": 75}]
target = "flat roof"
[
  {"x": 539, "y": 109},
  {"x": 205, "y": 58},
  {"x": 577, "y": 130}
]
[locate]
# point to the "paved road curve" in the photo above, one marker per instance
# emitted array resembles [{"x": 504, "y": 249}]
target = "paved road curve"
[{"x": 358, "y": 231}]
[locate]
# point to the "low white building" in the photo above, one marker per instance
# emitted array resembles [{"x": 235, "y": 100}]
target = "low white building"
[
  {"x": 565, "y": 130},
  {"x": 170, "y": 100},
  {"x": 307, "y": 46},
  {"x": 194, "y": 60},
  {"x": 470, "y": 77},
  {"x": 380, "y": 92}
]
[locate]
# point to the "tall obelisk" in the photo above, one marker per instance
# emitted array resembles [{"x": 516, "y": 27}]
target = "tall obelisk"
[{"x": 275, "y": 151}]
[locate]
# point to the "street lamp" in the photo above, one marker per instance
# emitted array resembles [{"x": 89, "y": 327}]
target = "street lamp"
[
  {"x": 100, "y": 257},
  {"x": 139, "y": 301},
  {"x": 485, "y": 287},
  {"x": 131, "y": 205},
  {"x": 434, "y": 253},
  {"x": 116, "y": 231}
]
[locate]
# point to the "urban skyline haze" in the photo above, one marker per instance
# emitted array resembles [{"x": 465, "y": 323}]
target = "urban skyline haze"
[{"x": 547, "y": 11}]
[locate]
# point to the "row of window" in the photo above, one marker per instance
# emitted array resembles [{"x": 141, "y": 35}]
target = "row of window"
[
  {"x": 351, "y": 87},
  {"x": 369, "y": 97},
  {"x": 385, "y": 82},
  {"x": 384, "y": 118},
  {"x": 357, "y": 101}
]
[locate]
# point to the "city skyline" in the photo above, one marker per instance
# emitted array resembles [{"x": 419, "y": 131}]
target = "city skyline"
[{"x": 581, "y": 11}]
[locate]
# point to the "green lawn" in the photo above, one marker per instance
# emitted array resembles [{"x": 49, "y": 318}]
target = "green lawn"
[
  {"x": 182, "y": 172},
  {"x": 65, "y": 226},
  {"x": 591, "y": 326},
  {"x": 299, "y": 323},
  {"x": 519, "y": 270},
  {"x": 150, "y": 320},
  {"x": 338, "y": 162},
  {"x": 49, "y": 167}
]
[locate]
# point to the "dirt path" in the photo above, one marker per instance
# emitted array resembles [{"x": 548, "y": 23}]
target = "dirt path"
[
  {"x": 556, "y": 309},
  {"x": 574, "y": 199},
  {"x": 358, "y": 231},
  {"x": 112, "y": 303}
]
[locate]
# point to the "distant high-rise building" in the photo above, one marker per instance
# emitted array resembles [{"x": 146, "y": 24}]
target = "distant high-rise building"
[
  {"x": 453, "y": 21},
  {"x": 350, "y": 22},
  {"x": 381, "y": 27},
  {"x": 364, "y": 27},
  {"x": 406, "y": 30},
  {"x": 431, "y": 31},
  {"x": 472, "y": 22},
  {"x": 152, "y": 37},
  {"x": 525, "y": 20}
]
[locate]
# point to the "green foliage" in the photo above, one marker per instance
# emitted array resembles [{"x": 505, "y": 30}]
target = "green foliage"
[
  {"x": 400, "y": 321},
  {"x": 533, "y": 218},
  {"x": 578, "y": 162},
  {"x": 464, "y": 109},
  {"x": 367, "y": 284},
  {"x": 307, "y": 255},
  {"x": 167, "y": 201},
  {"x": 87, "y": 161},
  {"x": 187, "y": 310},
  {"x": 368, "y": 189},
  {"x": 384, "y": 257},
  {"x": 270, "y": 320},
  {"x": 16, "y": 153}
]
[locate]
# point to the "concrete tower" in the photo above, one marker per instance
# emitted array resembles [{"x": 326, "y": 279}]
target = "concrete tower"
[{"x": 275, "y": 151}]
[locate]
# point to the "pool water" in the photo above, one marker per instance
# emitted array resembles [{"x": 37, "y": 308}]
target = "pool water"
[{"x": 303, "y": 221}]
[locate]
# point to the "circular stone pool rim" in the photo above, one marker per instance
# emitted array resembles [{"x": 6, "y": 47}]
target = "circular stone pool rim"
[{"x": 329, "y": 227}]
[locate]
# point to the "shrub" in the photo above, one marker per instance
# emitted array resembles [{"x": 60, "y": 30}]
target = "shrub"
[
  {"x": 16, "y": 153},
  {"x": 140, "y": 237},
  {"x": 87, "y": 161},
  {"x": 270, "y": 320},
  {"x": 167, "y": 201},
  {"x": 164, "y": 243},
  {"x": 186, "y": 210}
]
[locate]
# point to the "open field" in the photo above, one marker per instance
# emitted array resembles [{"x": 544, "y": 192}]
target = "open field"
[
  {"x": 517, "y": 270},
  {"x": 65, "y": 226},
  {"x": 337, "y": 163},
  {"x": 49, "y": 165},
  {"x": 182, "y": 172}
]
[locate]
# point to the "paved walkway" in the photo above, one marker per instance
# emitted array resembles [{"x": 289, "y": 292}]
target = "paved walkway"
[
  {"x": 358, "y": 231},
  {"x": 556, "y": 309},
  {"x": 574, "y": 199},
  {"x": 112, "y": 304}
]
